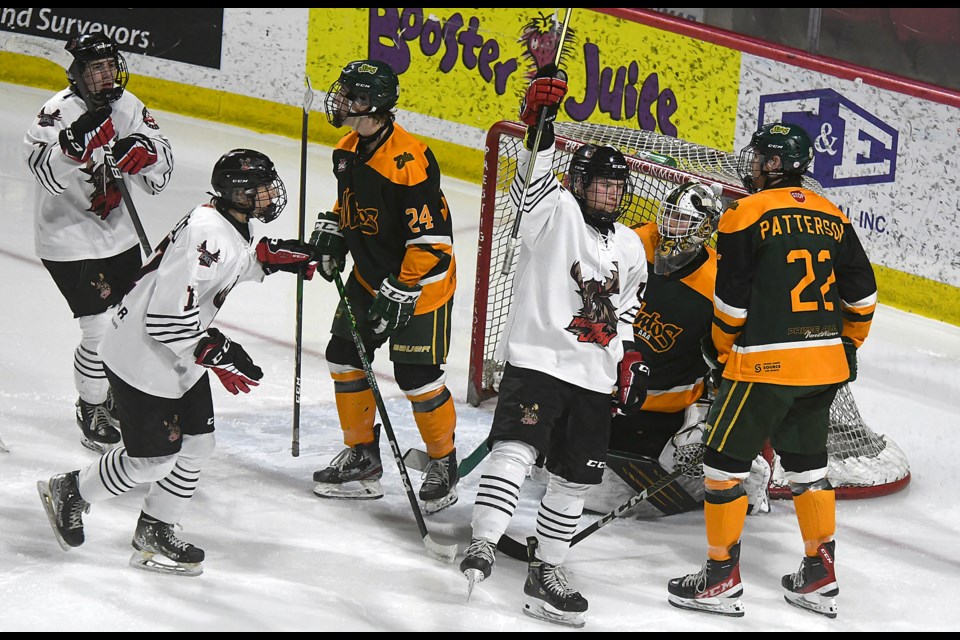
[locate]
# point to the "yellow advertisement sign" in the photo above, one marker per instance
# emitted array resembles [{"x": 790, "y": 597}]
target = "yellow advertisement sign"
[{"x": 471, "y": 66}]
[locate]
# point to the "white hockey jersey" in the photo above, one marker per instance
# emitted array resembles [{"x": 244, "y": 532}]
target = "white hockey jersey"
[
  {"x": 66, "y": 226},
  {"x": 576, "y": 291},
  {"x": 176, "y": 297}
]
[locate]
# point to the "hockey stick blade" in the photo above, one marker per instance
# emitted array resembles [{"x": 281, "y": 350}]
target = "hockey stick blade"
[
  {"x": 38, "y": 48},
  {"x": 518, "y": 550},
  {"x": 417, "y": 459},
  {"x": 442, "y": 552}
]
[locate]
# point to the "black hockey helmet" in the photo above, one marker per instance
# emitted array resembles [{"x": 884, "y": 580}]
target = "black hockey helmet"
[
  {"x": 88, "y": 48},
  {"x": 236, "y": 178},
  {"x": 590, "y": 162},
  {"x": 787, "y": 141},
  {"x": 364, "y": 83}
]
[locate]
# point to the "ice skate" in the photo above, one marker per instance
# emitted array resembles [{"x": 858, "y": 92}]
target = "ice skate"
[
  {"x": 439, "y": 488},
  {"x": 716, "y": 588},
  {"x": 477, "y": 563},
  {"x": 814, "y": 586},
  {"x": 98, "y": 430},
  {"x": 65, "y": 508},
  {"x": 549, "y": 595},
  {"x": 158, "y": 549},
  {"x": 354, "y": 474}
]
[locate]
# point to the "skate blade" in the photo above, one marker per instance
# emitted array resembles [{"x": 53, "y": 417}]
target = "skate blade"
[
  {"x": 153, "y": 563},
  {"x": 361, "y": 490},
  {"x": 823, "y": 605},
  {"x": 726, "y": 607},
  {"x": 44, "y": 488},
  {"x": 431, "y": 507},
  {"x": 474, "y": 577},
  {"x": 543, "y": 611}
]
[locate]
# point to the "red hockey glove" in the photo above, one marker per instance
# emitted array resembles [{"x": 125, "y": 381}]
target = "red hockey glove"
[
  {"x": 90, "y": 131},
  {"x": 229, "y": 361},
  {"x": 134, "y": 153},
  {"x": 632, "y": 378},
  {"x": 545, "y": 92},
  {"x": 287, "y": 255}
]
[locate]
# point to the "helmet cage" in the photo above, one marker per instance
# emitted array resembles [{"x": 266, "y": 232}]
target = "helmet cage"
[
  {"x": 364, "y": 88},
  {"x": 589, "y": 163},
  {"x": 686, "y": 219},
  {"x": 87, "y": 49},
  {"x": 239, "y": 179}
]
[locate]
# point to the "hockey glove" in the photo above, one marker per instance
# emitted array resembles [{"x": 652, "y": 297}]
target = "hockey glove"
[
  {"x": 331, "y": 247},
  {"x": 89, "y": 132},
  {"x": 712, "y": 358},
  {"x": 287, "y": 255},
  {"x": 134, "y": 153},
  {"x": 393, "y": 307},
  {"x": 851, "y": 351},
  {"x": 633, "y": 374},
  {"x": 544, "y": 92},
  {"x": 229, "y": 361}
]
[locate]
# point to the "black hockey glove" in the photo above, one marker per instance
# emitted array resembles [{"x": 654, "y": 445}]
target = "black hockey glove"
[
  {"x": 287, "y": 255},
  {"x": 89, "y": 132},
  {"x": 134, "y": 153},
  {"x": 229, "y": 361},
  {"x": 331, "y": 247},
  {"x": 393, "y": 307},
  {"x": 850, "y": 350},
  {"x": 545, "y": 92},
  {"x": 633, "y": 374},
  {"x": 712, "y": 358}
]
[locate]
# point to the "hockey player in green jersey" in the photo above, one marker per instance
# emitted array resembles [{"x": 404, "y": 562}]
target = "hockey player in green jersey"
[{"x": 794, "y": 299}]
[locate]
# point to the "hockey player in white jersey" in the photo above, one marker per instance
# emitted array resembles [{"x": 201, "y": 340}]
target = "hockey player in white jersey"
[
  {"x": 157, "y": 355},
  {"x": 83, "y": 232},
  {"x": 568, "y": 351}
]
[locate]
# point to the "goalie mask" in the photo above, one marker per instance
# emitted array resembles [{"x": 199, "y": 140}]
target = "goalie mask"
[
  {"x": 686, "y": 219},
  {"x": 364, "y": 88},
  {"x": 788, "y": 142},
  {"x": 599, "y": 179},
  {"x": 99, "y": 66},
  {"x": 246, "y": 181}
]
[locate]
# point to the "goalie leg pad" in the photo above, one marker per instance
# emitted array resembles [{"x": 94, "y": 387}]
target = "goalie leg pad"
[{"x": 640, "y": 472}]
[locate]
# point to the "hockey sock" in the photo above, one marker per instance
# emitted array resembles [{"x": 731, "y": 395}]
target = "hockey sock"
[
  {"x": 88, "y": 376},
  {"x": 355, "y": 405},
  {"x": 724, "y": 509},
  {"x": 557, "y": 518},
  {"x": 499, "y": 489},
  {"x": 116, "y": 472},
  {"x": 169, "y": 496},
  {"x": 816, "y": 513},
  {"x": 436, "y": 419}
]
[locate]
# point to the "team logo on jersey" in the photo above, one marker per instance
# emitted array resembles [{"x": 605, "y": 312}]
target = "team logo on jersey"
[
  {"x": 530, "y": 414},
  {"x": 403, "y": 159},
  {"x": 650, "y": 327},
  {"x": 105, "y": 196},
  {"x": 221, "y": 297},
  {"x": 596, "y": 321},
  {"x": 102, "y": 286},
  {"x": 353, "y": 217},
  {"x": 342, "y": 165},
  {"x": 173, "y": 428},
  {"x": 206, "y": 257},
  {"x": 45, "y": 119},
  {"x": 148, "y": 120}
]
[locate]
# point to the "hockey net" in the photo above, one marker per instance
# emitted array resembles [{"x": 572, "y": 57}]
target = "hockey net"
[{"x": 862, "y": 463}]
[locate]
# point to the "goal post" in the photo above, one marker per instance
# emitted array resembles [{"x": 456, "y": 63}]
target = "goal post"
[{"x": 862, "y": 463}]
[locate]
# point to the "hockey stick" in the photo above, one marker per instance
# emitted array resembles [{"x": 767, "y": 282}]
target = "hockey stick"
[
  {"x": 3, "y": 447},
  {"x": 518, "y": 550},
  {"x": 20, "y": 45},
  {"x": 418, "y": 458},
  {"x": 298, "y": 354},
  {"x": 541, "y": 123},
  {"x": 444, "y": 553}
]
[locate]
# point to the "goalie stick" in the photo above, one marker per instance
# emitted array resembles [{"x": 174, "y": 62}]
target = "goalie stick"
[
  {"x": 298, "y": 354},
  {"x": 444, "y": 553},
  {"x": 518, "y": 550}
]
